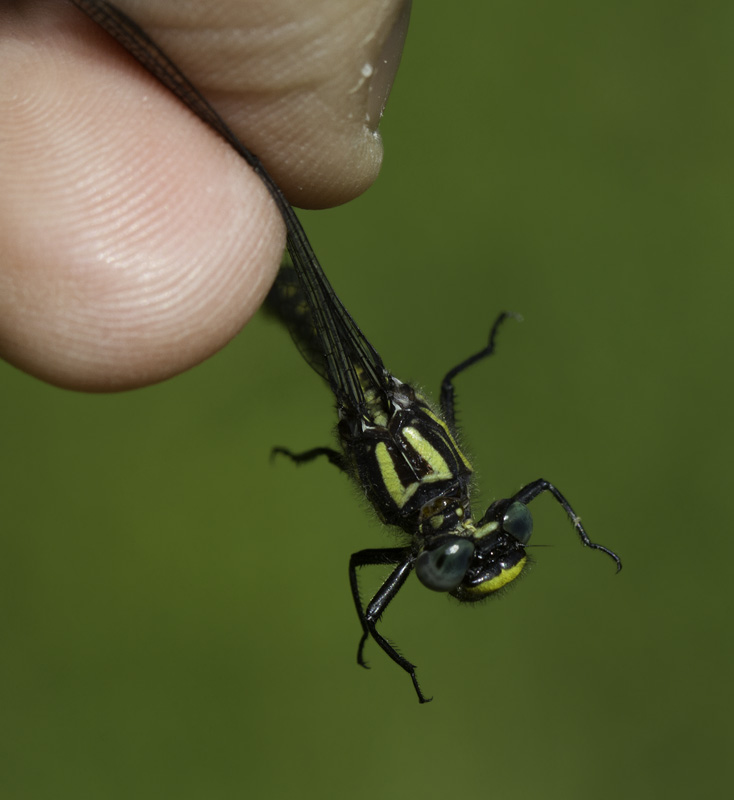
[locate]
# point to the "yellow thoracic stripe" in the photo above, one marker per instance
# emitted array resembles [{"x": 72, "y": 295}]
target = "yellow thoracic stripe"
[
  {"x": 441, "y": 424},
  {"x": 395, "y": 488},
  {"x": 440, "y": 470}
]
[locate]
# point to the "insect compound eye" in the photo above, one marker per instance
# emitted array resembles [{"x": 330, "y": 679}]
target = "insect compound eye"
[
  {"x": 518, "y": 522},
  {"x": 443, "y": 568}
]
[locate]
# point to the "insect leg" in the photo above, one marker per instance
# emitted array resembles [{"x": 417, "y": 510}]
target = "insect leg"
[
  {"x": 370, "y": 616},
  {"x": 532, "y": 490},
  {"x": 334, "y": 456},
  {"x": 447, "y": 385}
]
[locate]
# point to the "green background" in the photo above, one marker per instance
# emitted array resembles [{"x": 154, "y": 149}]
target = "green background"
[{"x": 176, "y": 618}]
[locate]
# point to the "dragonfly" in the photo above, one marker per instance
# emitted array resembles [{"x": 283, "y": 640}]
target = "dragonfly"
[{"x": 393, "y": 442}]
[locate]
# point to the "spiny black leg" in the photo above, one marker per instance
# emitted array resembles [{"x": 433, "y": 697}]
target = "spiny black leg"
[
  {"x": 370, "y": 616},
  {"x": 367, "y": 558},
  {"x": 374, "y": 611},
  {"x": 334, "y": 456},
  {"x": 370, "y": 558},
  {"x": 532, "y": 490},
  {"x": 447, "y": 386}
]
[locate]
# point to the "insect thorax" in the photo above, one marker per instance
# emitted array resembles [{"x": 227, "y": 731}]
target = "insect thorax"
[{"x": 407, "y": 461}]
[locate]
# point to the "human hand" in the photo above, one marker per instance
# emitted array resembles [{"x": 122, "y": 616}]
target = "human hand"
[{"x": 135, "y": 243}]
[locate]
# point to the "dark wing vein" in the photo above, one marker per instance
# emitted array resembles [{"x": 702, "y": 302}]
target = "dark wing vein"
[{"x": 350, "y": 363}]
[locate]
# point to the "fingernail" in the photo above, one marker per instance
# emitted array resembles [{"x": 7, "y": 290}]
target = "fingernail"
[{"x": 386, "y": 66}]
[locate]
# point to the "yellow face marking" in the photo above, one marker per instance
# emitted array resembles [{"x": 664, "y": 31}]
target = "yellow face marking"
[
  {"x": 399, "y": 493},
  {"x": 505, "y": 577},
  {"x": 429, "y": 454}
]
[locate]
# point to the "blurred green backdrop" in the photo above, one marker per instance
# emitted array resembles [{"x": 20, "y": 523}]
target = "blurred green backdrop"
[{"x": 176, "y": 618}]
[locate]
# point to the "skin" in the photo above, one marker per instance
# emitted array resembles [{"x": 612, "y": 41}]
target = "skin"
[{"x": 135, "y": 243}]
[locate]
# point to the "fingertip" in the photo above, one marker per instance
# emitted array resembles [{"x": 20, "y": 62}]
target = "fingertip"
[{"x": 136, "y": 243}]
